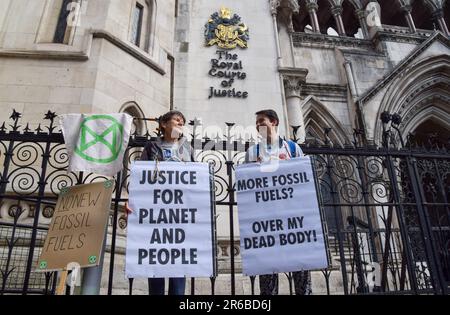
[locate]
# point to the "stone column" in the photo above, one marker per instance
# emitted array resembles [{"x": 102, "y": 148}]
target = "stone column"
[
  {"x": 351, "y": 79},
  {"x": 438, "y": 16},
  {"x": 312, "y": 7},
  {"x": 361, "y": 15},
  {"x": 274, "y": 10},
  {"x": 407, "y": 11},
  {"x": 337, "y": 13},
  {"x": 293, "y": 79}
]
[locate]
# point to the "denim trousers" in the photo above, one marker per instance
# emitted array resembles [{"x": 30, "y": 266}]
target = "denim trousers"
[
  {"x": 268, "y": 284},
  {"x": 176, "y": 286}
]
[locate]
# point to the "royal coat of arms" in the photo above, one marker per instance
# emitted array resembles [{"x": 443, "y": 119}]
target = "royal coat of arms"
[{"x": 226, "y": 31}]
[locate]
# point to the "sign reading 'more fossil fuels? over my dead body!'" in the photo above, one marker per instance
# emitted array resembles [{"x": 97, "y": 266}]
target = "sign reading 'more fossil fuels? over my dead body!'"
[
  {"x": 227, "y": 32},
  {"x": 279, "y": 218}
]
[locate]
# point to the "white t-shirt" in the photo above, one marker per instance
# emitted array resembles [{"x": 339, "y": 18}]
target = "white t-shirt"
[{"x": 263, "y": 152}]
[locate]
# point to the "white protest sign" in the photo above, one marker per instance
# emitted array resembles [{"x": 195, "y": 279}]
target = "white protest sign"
[
  {"x": 279, "y": 218},
  {"x": 170, "y": 229}
]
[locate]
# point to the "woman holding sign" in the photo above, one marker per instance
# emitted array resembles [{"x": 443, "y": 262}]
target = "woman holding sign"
[
  {"x": 273, "y": 148},
  {"x": 172, "y": 146}
]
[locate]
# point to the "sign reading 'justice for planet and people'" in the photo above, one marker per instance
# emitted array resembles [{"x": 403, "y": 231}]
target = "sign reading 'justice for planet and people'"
[
  {"x": 77, "y": 230},
  {"x": 280, "y": 225},
  {"x": 170, "y": 228}
]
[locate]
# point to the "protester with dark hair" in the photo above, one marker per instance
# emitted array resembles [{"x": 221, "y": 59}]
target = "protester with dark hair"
[
  {"x": 171, "y": 146},
  {"x": 273, "y": 148}
]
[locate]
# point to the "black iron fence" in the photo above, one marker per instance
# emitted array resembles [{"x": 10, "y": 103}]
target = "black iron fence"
[{"x": 385, "y": 210}]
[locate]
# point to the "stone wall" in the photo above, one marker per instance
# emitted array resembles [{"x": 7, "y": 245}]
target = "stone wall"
[
  {"x": 259, "y": 60},
  {"x": 99, "y": 71}
]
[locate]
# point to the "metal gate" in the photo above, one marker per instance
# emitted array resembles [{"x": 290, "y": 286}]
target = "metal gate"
[{"x": 385, "y": 210}]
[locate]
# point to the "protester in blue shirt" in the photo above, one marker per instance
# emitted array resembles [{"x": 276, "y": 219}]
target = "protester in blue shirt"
[{"x": 273, "y": 148}]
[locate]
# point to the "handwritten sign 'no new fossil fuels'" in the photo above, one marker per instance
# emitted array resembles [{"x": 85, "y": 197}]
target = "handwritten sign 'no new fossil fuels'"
[{"x": 77, "y": 230}]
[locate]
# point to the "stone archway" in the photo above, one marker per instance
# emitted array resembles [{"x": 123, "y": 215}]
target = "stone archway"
[
  {"x": 433, "y": 134},
  {"x": 320, "y": 124},
  {"x": 133, "y": 109},
  {"x": 430, "y": 128},
  {"x": 422, "y": 93}
]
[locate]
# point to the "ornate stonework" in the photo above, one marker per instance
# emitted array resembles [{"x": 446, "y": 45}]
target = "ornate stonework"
[
  {"x": 404, "y": 64},
  {"x": 326, "y": 41},
  {"x": 293, "y": 80}
]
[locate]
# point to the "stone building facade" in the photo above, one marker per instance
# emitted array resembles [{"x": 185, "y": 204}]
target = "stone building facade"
[
  {"x": 86, "y": 56},
  {"x": 326, "y": 66}
]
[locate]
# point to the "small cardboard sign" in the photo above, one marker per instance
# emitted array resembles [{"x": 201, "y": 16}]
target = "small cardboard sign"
[{"x": 77, "y": 231}]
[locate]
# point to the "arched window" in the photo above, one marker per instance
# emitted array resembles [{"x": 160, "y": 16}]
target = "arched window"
[
  {"x": 332, "y": 32},
  {"x": 137, "y": 129},
  {"x": 422, "y": 16},
  {"x": 433, "y": 132},
  {"x": 352, "y": 23},
  {"x": 322, "y": 126},
  {"x": 302, "y": 22},
  {"x": 308, "y": 29},
  {"x": 339, "y": 15},
  {"x": 142, "y": 24},
  {"x": 392, "y": 14},
  {"x": 133, "y": 109},
  {"x": 59, "y": 22}
]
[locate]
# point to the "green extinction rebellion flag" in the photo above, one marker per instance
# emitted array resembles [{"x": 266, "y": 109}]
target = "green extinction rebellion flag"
[{"x": 96, "y": 143}]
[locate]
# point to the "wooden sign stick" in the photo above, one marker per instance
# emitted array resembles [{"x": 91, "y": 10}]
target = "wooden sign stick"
[{"x": 60, "y": 290}]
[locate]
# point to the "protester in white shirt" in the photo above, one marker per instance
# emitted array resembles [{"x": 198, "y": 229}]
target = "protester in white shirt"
[{"x": 273, "y": 148}]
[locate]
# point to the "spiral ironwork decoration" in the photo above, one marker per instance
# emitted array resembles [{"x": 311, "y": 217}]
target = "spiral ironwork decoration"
[
  {"x": 131, "y": 155},
  {"x": 238, "y": 158},
  {"x": 24, "y": 180},
  {"x": 380, "y": 191},
  {"x": 374, "y": 167},
  {"x": 214, "y": 157},
  {"x": 343, "y": 166},
  {"x": 220, "y": 189},
  {"x": 59, "y": 158},
  {"x": 350, "y": 191},
  {"x": 26, "y": 154},
  {"x": 59, "y": 179},
  {"x": 320, "y": 165}
]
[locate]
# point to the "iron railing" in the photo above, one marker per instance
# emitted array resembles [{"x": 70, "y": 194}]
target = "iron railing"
[{"x": 385, "y": 209}]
